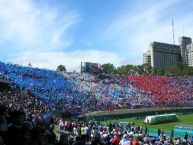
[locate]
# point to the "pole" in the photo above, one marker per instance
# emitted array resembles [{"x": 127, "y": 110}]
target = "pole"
[
  {"x": 173, "y": 31},
  {"x": 183, "y": 30}
]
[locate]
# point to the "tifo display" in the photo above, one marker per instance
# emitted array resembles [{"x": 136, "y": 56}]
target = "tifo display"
[{"x": 36, "y": 106}]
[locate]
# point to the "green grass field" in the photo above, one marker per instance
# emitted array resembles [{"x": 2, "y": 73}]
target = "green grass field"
[{"x": 183, "y": 119}]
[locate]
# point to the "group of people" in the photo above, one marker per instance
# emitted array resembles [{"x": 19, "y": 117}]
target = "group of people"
[
  {"x": 27, "y": 104},
  {"x": 83, "y": 92},
  {"x": 117, "y": 134},
  {"x": 46, "y": 84},
  {"x": 16, "y": 128},
  {"x": 20, "y": 128},
  {"x": 105, "y": 91},
  {"x": 75, "y": 91},
  {"x": 170, "y": 91},
  {"x": 15, "y": 99}
]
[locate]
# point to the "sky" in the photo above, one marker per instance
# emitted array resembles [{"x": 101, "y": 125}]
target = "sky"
[{"x": 47, "y": 33}]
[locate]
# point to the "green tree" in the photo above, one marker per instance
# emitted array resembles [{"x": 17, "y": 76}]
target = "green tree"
[
  {"x": 124, "y": 69},
  {"x": 108, "y": 68},
  {"x": 138, "y": 70},
  {"x": 187, "y": 71},
  {"x": 180, "y": 69},
  {"x": 172, "y": 71},
  {"x": 180, "y": 66},
  {"x": 61, "y": 68},
  {"x": 129, "y": 68},
  {"x": 160, "y": 72},
  {"x": 147, "y": 69}
]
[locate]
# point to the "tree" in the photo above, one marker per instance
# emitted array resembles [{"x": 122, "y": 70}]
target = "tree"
[
  {"x": 147, "y": 69},
  {"x": 124, "y": 69},
  {"x": 108, "y": 68},
  {"x": 190, "y": 70},
  {"x": 129, "y": 68},
  {"x": 180, "y": 66},
  {"x": 171, "y": 71},
  {"x": 136, "y": 70},
  {"x": 61, "y": 68},
  {"x": 160, "y": 72}
]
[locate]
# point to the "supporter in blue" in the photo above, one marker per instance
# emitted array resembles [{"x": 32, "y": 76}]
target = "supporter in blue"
[{"x": 73, "y": 92}]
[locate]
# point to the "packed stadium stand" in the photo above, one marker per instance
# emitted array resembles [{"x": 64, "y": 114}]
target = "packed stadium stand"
[
  {"x": 171, "y": 91},
  {"x": 74, "y": 90},
  {"x": 29, "y": 95},
  {"x": 90, "y": 92}
]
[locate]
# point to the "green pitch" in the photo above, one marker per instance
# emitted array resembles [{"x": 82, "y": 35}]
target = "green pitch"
[{"x": 183, "y": 119}]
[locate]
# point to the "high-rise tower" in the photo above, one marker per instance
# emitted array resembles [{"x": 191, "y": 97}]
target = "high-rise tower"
[{"x": 183, "y": 42}]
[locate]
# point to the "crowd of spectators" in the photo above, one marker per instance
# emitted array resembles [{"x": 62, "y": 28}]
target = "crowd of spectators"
[
  {"x": 46, "y": 84},
  {"x": 16, "y": 99},
  {"x": 18, "y": 129},
  {"x": 34, "y": 93},
  {"x": 106, "y": 91},
  {"x": 117, "y": 134},
  {"x": 170, "y": 91},
  {"x": 76, "y": 92}
]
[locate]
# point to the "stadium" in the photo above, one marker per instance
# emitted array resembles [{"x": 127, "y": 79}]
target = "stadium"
[
  {"x": 82, "y": 103},
  {"x": 96, "y": 72}
]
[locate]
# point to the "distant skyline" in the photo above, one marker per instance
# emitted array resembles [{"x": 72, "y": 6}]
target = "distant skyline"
[{"x": 47, "y": 33}]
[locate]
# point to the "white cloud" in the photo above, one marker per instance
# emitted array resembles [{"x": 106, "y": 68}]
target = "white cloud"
[
  {"x": 39, "y": 33},
  {"x": 148, "y": 22},
  {"x": 27, "y": 25},
  {"x": 71, "y": 60}
]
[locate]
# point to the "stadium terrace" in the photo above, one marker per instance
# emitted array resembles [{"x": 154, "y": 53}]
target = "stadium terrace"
[
  {"x": 29, "y": 96},
  {"x": 86, "y": 92}
]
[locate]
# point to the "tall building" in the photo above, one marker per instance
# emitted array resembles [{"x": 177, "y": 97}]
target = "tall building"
[
  {"x": 147, "y": 57},
  {"x": 190, "y": 54},
  {"x": 164, "y": 55},
  {"x": 183, "y": 42}
]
